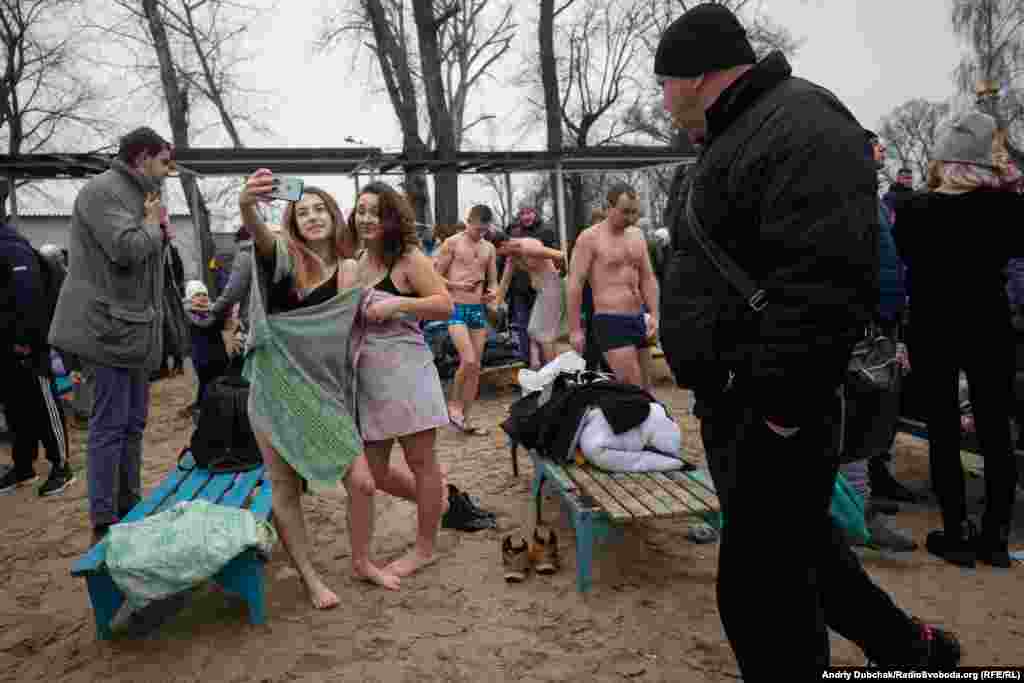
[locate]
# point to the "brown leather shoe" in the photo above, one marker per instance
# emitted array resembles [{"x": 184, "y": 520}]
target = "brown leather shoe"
[
  {"x": 516, "y": 560},
  {"x": 544, "y": 552}
]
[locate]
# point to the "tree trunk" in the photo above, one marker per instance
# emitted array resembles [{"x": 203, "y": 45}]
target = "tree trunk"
[
  {"x": 549, "y": 80},
  {"x": 446, "y": 182},
  {"x": 177, "y": 114}
]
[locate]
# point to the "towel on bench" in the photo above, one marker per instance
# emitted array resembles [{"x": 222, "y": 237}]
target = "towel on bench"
[
  {"x": 653, "y": 446},
  {"x": 174, "y": 550}
]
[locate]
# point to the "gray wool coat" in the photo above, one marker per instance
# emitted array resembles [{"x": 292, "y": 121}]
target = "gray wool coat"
[{"x": 110, "y": 309}]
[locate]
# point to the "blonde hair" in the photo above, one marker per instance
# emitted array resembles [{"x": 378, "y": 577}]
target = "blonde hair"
[{"x": 597, "y": 215}]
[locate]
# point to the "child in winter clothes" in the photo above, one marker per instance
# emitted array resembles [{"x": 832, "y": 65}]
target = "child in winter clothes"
[{"x": 210, "y": 352}]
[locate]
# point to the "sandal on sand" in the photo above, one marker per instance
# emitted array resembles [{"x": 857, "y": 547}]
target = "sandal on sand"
[
  {"x": 544, "y": 552},
  {"x": 515, "y": 559}
]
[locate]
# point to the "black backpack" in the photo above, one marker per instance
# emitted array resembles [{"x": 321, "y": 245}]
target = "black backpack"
[{"x": 223, "y": 441}]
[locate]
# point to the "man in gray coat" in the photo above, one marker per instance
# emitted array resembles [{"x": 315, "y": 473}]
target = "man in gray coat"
[{"x": 109, "y": 313}]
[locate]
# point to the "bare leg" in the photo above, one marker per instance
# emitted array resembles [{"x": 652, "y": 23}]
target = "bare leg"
[
  {"x": 360, "y": 486},
  {"x": 419, "y": 453},
  {"x": 471, "y": 391},
  {"x": 536, "y": 356},
  {"x": 397, "y": 480},
  {"x": 548, "y": 352},
  {"x": 290, "y": 524},
  {"x": 469, "y": 367},
  {"x": 625, "y": 363},
  {"x": 646, "y": 369}
]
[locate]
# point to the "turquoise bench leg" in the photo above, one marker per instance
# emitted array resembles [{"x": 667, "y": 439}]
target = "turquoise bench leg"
[
  {"x": 244, "y": 577},
  {"x": 584, "y": 523},
  {"x": 538, "y": 488},
  {"x": 106, "y": 599}
]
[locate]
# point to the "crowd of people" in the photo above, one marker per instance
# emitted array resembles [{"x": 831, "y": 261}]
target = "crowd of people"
[{"x": 777, "y": 256}]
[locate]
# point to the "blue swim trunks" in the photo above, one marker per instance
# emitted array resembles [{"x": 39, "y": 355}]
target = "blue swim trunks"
[{"x": 472, "y": 316}]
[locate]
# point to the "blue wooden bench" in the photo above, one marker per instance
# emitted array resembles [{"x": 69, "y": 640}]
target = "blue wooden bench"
[
  {"x": 242, "y": 576},
  {"x": 600, "y": 501}
]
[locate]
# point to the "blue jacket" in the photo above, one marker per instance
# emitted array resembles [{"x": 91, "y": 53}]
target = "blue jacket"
[
  {"x": 23, "y": 320},
  {"x": 891, "y": 278}
]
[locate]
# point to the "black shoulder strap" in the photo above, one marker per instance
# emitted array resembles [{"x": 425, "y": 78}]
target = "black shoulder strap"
[{"x": 730, "y": 270}]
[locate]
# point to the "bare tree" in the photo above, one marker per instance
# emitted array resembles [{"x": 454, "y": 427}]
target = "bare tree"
[
  {"x": 910, "y": 132},
  {"x": 380, "y": 26},
  {"x": 595, "y": 80},
  {"x": 456, "y": 45},
  {"x": 993, "y": 69},
  {"x": 193, "y": 48},
  {"x": 44, "y": 95}
]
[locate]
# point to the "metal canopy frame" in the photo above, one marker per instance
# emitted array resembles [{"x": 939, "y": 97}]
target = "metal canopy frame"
[{"x": 216, "y": 161}]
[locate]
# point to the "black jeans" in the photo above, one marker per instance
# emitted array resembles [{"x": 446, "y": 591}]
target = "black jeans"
[
  {"x": 784, "y": 571},
  {"x": 988, "y": 363}
]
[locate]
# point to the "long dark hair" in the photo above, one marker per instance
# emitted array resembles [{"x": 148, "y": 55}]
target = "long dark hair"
[{"x": 397, "y": 219}]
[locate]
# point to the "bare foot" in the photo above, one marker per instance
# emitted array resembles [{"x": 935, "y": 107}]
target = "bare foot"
[
  {"x": 411, "y": 563},
  {"x": 371, "y": 573},
  {"x": 322, "y": 596}
]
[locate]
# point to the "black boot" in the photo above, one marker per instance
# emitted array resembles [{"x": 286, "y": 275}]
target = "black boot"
[
  {"x": 884, "y": 485},
  {"x": 955, "y": 547},
  {"x": 993, "y": 546}
]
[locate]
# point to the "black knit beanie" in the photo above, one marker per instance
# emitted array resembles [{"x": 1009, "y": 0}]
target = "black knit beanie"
[{"x": 706, "y": 38}]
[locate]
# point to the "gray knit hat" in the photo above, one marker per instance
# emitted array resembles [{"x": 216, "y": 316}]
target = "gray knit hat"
[{"x": 967, "y": 139}]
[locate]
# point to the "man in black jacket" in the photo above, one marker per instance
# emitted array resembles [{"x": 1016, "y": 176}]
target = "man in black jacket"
[
  {"x": 784, "y": 188},
  {"x": 32, "y": 413}
]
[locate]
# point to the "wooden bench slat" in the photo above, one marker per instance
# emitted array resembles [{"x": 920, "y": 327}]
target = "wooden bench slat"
[
  {"x": 655, "y": 507},
  {"x": 244, "y": 485},
  {"x": 216, "y": 487},
  {"x": 582, "y": 476},
  {"x": 560, "y": 474},
  {"x": 693, "y": 486},
  {"x": 620, "y": 493},
  {"x": 673, "y": 505},
  {"x": 681, "y": 493},
  {"x": 703, "y": 477},
  {"x": 188, "y": 490},
  {"x": 262, "y": 500}
]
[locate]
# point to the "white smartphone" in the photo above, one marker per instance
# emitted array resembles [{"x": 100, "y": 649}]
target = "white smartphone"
[{"x": 287, "y": 188}]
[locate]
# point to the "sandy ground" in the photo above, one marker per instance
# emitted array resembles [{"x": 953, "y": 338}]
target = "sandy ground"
[{"x": 651, "y": 615}]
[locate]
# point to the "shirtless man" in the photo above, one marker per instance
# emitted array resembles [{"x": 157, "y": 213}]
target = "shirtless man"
[
  {"x": 613, "y": 256},
  {"x": 540, "y": 263},
  {"x": 467, "y": 263}
]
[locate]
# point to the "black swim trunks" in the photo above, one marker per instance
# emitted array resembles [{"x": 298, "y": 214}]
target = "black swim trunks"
[{"x": 616, "y": 330}]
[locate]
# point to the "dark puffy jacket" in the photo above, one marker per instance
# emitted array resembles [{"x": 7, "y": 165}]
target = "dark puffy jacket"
[
  {"x": 23, "y": 316},
  {"x": 893, "y": 292},
  {"x": 784, "y": 187}
]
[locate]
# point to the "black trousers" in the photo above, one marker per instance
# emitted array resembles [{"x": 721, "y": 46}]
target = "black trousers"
[
  {"x": 33, "y": 416},
  {"x": 780, "y": 552},
  {"x": 988, "y": 362}
]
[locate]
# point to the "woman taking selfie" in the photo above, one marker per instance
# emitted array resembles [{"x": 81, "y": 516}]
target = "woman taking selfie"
[
  {"x": 399, "y": 391},
  {"x": 301, "y": 385}
]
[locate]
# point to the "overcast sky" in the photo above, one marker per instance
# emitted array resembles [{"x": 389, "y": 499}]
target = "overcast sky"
[{"x": 861, "y": 50}]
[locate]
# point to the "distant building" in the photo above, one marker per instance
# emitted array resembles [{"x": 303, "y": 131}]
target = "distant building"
[{"x": 51, "y": 226}]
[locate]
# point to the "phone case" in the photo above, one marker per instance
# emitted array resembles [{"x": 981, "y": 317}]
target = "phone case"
[{"x": 289, "y": 189}]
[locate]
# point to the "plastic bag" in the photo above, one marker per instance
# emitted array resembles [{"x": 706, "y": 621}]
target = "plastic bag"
[{"x": 532, "y": 381}]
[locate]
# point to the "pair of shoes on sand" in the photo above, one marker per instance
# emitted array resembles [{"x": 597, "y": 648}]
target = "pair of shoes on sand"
[
  {"x": 540, "y": 555},
  {"x": 464, "y": 514}
]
